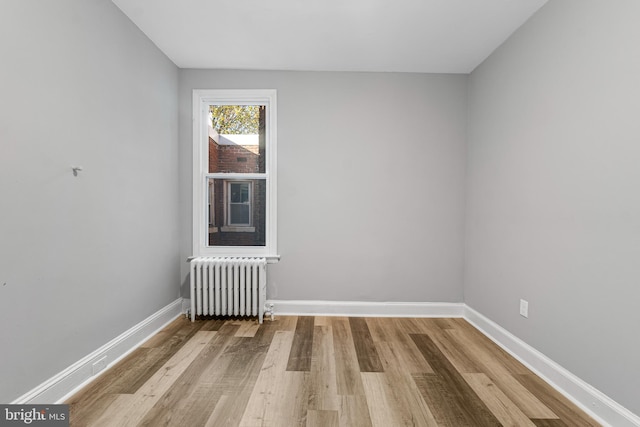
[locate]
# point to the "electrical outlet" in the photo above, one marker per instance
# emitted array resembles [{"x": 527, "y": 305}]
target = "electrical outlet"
[
  {"x": 99, "y": 365},
  {"x": 524, "y": 308}
]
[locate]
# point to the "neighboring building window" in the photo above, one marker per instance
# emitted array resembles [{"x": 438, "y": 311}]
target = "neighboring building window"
[
  {"x": 239, "y": 203},
  {"x": 234, "y": 172}
]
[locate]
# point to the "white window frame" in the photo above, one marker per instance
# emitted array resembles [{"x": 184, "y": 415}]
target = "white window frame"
[{"x": 202, "y": 99}]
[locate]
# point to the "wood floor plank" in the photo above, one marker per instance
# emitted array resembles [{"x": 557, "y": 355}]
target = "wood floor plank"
[
  {"x": 266, "y": 390},
  {"x": 285, "y": 405},
  {"x": 409, "y": 325},
  {"x": 444, "y": 323},
  {"x": 322, "y": 321},
  {"x": 347, "y": 368},
  {"x": 323, "y": 389},
  {"x": 401, "y": 389},
  {"x": 161, "y": 353},
  {"x": 266, "y": 331},
  {"x": 130, "y": 373},
  {"x": 448, "y": 405},
  {"x": 247, "y": 328},
  {"x": 498, "y": 403},
  {"x": 488, "y": 346},
  {"x": 454, "y": 353},
  {"x": 354, "y": 411},
  {"x": 438, "y": 335},
  {"x": 569, "y": 413},
  {"x": 548, "y": 423},
  {"x": 451, "y": 399},
  {"x": 223, "y": 413},
  {"x": 404, "y": 350},
  {"x": 368, "y": 358},
  {"x": 243, "y": 361},
  {"x": 283, "y": 323},
  {"x": 130, "y": 409},
  {"x": 290, "y": 407},
  {"x": 193, "y": 389},
  {"x": 235, "y": 386},
  {"x": 168, "y": 332},
  {"x": 501, "y": 376},
  {"x": 380, "y": 409},
  {"x": 300, "y": 356},
  {"x": 213, "y": 324},
  {"x": 232, "y": 405},
  {"x": 317, "y": 418},
  {"x": 86, "y": 411},
  {"x": 386, "y": 406},
  {"x": 377, "y": 329}
]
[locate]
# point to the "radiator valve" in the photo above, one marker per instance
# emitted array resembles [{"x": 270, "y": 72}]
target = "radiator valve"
[{"x": 268, "y": 311}]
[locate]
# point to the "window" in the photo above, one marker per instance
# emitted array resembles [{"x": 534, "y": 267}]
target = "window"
[{"x": 234, "y": 178}]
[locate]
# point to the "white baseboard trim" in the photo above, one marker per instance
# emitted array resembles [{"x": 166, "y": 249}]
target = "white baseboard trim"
[
  {"x": 602, "y": 408},
  {"x": 62, "y": 385},
  {"x": 367, "y": 309}
]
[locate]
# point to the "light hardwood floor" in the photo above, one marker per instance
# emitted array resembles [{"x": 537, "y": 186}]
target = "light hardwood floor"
[{"x": 321, "y": 371}]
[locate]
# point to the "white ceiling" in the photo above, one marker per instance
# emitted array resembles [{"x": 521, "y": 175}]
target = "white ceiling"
[{"x": 434, "y": 36}]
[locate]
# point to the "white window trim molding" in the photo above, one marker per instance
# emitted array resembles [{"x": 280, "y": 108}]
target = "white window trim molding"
[{"x": 202, "y": 98}]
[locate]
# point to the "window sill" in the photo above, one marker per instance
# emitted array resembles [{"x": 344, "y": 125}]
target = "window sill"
[
  {"x": 271, "y": 259},
  {"x": 232, "y": 229}
]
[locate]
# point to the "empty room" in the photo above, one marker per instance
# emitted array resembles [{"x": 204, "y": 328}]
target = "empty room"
[{"x": 339, "y": 213}]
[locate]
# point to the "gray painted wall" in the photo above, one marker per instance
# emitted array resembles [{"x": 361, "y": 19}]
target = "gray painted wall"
[
  {"x": 370, "y": 184},
  {"x": 82, "y": 259},
  {"x": 553, "y": 206}
]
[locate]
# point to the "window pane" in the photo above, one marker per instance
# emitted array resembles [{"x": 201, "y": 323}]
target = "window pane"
[
  {"x": 240, "y": 192},
  {"x": 237, "y": 212},
  {"x": 237, "y": 138}
]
